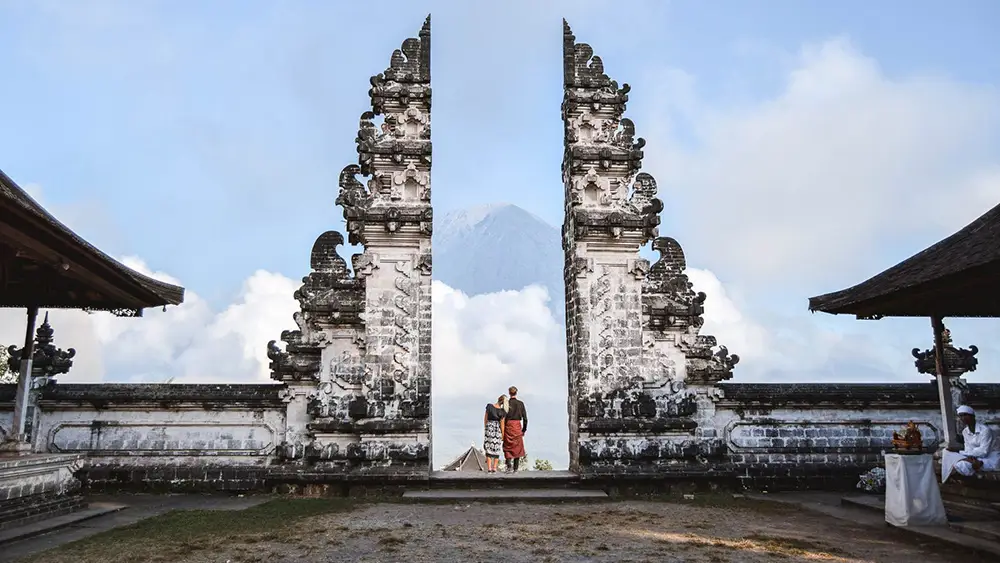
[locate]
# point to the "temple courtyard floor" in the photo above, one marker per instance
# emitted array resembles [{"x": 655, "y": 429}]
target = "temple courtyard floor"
[{"x": 707, "y": 528}]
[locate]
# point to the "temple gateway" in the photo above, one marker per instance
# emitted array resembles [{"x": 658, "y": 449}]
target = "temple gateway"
[
  {"x": 649, "y": 405},
  {"x": 357, "y": 369}
]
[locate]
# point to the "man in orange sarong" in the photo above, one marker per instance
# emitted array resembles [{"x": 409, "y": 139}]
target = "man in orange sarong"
[{"x": 514, "y": 429}]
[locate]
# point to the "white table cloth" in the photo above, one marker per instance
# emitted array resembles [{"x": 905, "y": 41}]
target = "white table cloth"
[{"x": 912, "y": 496}]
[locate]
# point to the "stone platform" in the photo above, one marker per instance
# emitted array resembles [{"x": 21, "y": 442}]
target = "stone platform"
[
  {"x": 56, "y": 521},
  {"x": 34, "y": 487},
  {"x": 869, "y": 510},
  {"x": 505, "y": 495},
  {"x": 519, "y": 480}
]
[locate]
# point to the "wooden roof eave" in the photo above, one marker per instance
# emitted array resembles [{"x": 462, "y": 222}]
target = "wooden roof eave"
[
  {"x": 930, "y": 280},
  {"x": 969, "y": 293},
  {"x": 47, "y": 236}
]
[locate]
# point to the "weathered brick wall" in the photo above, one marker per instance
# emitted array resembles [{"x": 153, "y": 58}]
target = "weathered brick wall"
[
  {"x": 791, "y": 435},
  {"x": 158, "y": 436},
  {"x": 212, "y": 437}
]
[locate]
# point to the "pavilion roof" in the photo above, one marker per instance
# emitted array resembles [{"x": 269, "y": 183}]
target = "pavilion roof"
[
  {"x": 957, "y": 277},
  {"x": 45, "y": 264},
  {"x": 472, "y": 460}
]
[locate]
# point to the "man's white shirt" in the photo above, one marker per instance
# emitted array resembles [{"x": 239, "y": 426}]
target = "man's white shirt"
[{"x": 981, "y": 443}]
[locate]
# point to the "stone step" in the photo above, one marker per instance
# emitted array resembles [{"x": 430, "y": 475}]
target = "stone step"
[
  {"x": 861, "y": 509},
  {"x": 23, "y": 513},
  {"x": 504, "y": 495},
  {"x": 463, "y": 480},
  {"x": 968, "y": 519},
  {"x": 987, "y": 530},
  {"x": 867, "y": 502},
  {"x": 985, "y": 488},
  {"x": 957, "y": 509},
  {"x": 969, "y": 509},
  {"x": 55, "y": 522}
]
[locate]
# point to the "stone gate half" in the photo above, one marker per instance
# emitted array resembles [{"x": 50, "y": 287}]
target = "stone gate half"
[
  {"x": 358, "y": 369},
  {"x": 641, "y": 378}
]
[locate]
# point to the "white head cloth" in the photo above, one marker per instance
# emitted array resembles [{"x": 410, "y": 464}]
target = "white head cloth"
[{"x": 966, "y": 409}]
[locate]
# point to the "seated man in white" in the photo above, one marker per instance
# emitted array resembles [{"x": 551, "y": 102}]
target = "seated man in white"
[{"x": 981, "y": 451}]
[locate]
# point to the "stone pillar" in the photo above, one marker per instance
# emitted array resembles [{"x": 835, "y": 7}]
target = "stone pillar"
[
  {"x": 393, "y": 219},
  {"x": 631, "y": 329},
  {"x": 22, "y": 399},
  {"x": 40, "y": 362},
  {"x": 359, "y": 367}
]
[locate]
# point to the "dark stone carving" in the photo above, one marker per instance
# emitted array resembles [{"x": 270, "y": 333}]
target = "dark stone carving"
[
  {"x": 705, "y": 366},
  {"x": 298, "y": 362},
  {"x": 47, "y": 360},
  {"x": 330, "y": 295},
  {"x": 669, "y": 300},
  {"x": 409, "y": 72},
  {"x": 584, "y": 70},
  {"x": 957, "y": 361}
]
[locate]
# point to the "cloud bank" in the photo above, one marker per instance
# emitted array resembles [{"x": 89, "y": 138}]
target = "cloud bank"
[{"x": 844, "y": 169}]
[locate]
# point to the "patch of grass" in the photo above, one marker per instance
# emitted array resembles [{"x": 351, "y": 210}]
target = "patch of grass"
[
  {"x": 179, "y": 534},
  {"x": 791, "y": 546}
]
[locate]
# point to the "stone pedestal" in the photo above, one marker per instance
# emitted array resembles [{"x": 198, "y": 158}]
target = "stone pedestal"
[{"x": 912, "y": 496}]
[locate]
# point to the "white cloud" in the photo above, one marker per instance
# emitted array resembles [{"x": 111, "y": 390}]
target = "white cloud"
[
  {"x": 484, "y": 344},
  {"x": 189, "y": 343},
  {"x": 818, "y": 178}
]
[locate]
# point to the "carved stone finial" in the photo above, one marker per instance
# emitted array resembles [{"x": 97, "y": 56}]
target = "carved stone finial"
[
  {"x": 408, "y": 75},
  {"x": 668, "y": 295},
  {"x": 47, "y": 360},
  {"x": 705, "y": 367},
  {"x": 331, "y": 292},
  {"x": 956, "y": 361}
]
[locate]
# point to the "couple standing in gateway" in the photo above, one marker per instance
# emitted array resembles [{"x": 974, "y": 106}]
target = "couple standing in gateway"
[{"x": 505, "y": 423}]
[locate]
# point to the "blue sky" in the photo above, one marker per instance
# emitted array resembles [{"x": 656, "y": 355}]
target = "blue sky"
[{"x": 206, "y": 137}]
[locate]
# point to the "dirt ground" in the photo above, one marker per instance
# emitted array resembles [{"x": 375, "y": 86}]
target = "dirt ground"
[
  {"x": 631, "y": 531},
  {"x": 634, "y": 531}
]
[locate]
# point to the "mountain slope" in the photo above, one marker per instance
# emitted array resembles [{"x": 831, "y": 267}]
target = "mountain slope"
[{"x": 498, "y": 247}]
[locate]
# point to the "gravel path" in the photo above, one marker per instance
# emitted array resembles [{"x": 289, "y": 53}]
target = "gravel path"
[{"x": 601, "y": 532}]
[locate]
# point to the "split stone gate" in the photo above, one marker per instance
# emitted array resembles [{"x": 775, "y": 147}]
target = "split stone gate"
[{"x": 642, "y": 380}]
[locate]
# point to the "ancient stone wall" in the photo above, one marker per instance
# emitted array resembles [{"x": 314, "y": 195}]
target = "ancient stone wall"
[
  {"x": 358, "y": 368},
  {"x": 638, "y": 369},
  {"x": 792, "y": 435},
  {"x": 160, "y": 436},
  {"x": 227, "y": 437}
]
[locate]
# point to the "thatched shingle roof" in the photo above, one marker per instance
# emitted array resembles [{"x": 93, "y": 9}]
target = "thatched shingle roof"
[
  {"x": 473, "y": 459},
  {"x": 45, "y": 264},
  {"x": 957, "y": 277}
]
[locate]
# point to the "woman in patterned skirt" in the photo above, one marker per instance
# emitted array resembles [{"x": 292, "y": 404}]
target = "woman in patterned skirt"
[{"x": 493, "y": 420}]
